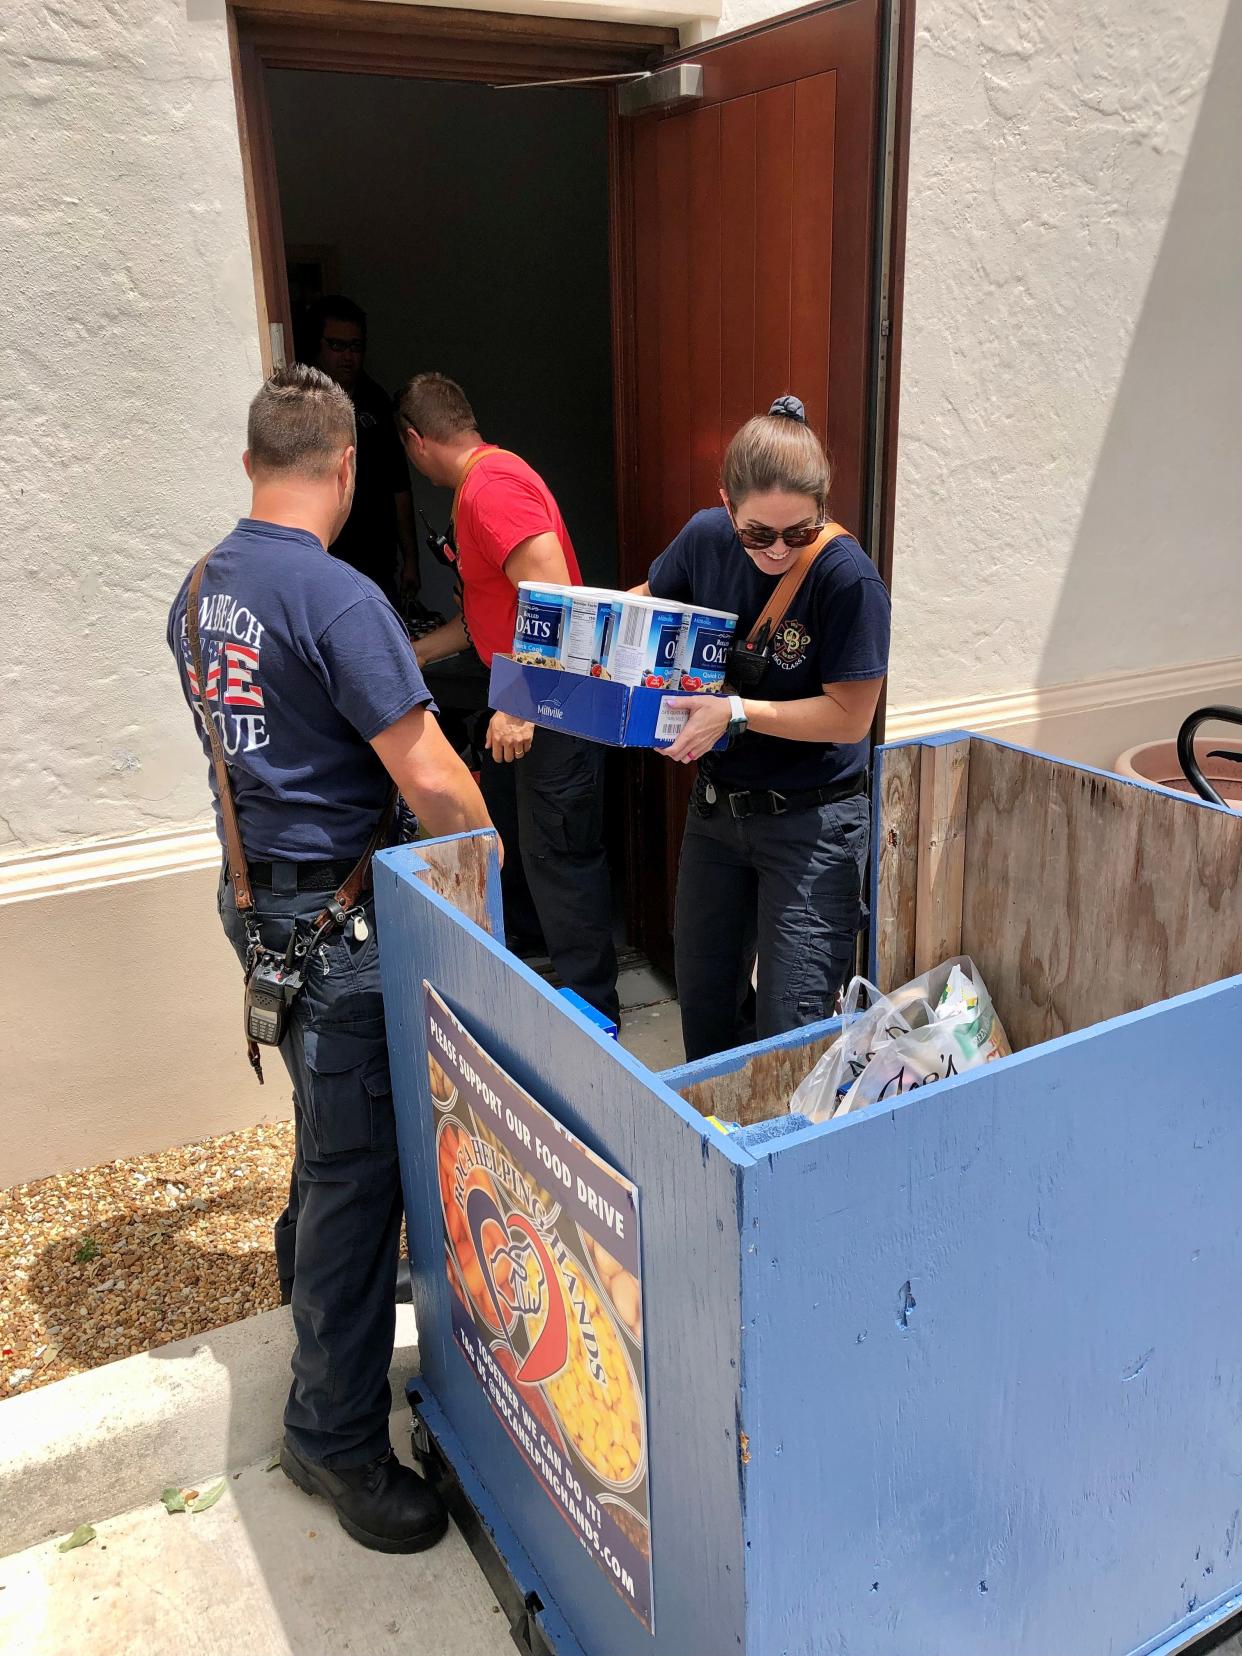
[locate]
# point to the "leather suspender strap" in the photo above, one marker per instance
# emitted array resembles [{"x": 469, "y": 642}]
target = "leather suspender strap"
[
  {"x": 778, "y": 605},
  {"x": 239, "y": 873},
  {"x": 349, "y": 892}
]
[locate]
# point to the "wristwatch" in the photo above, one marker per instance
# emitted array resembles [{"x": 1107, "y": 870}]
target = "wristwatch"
[{"x": 737, "y": 718}]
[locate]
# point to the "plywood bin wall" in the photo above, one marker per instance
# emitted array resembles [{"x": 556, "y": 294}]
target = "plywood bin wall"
[{"x": 1080, "y": 896}]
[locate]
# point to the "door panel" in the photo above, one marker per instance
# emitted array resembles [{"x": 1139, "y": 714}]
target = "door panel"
[
  {"x": 738, "y": 121},
  {"x": 810, "y": 279},
  {"x": 703, "y": 367},
  {"x": 772, "y": 234},
  {"x": 751, "y": 262}
]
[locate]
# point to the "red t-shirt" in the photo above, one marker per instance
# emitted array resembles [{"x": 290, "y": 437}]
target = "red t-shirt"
[{"x": 503, "y": 503}]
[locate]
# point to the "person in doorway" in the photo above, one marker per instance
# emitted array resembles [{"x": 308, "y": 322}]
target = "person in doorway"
[
  {"x": 313, "y": 686},
  {"x": 777, "y": 832},
  {"x": 379, "y": 537},
  {"x": 508, "y": 528}
]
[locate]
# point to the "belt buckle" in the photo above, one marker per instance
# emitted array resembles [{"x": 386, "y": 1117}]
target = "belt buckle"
[
  {"x": 779, "y": 803},
  {"x": 739, "y": 816}
]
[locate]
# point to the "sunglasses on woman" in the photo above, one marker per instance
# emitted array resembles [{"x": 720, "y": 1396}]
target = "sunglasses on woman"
[{"x": 758, "y": 538}]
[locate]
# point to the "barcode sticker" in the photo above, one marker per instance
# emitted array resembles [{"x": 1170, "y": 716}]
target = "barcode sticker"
[{"x": 670, "y": 723}]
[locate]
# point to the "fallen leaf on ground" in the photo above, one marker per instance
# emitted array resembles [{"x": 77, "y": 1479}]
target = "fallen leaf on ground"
[
  {"x": 273, "y": 1463},
  {"x": 79, "y": 1538},
  {"x": 209, "y": 1499},
  {"x": 174, "y": 1500}
]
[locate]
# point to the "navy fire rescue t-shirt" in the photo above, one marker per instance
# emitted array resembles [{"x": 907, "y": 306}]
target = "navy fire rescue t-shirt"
[
  {"x": 306, "y": 661},
  {"x": 837, "y": 629}
]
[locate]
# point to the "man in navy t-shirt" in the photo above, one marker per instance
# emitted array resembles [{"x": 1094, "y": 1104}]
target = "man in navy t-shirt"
[{"x": 312, "y": 683}]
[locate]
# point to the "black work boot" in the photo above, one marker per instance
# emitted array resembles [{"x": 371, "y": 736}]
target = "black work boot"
[{"x": 384, "y": 1505}]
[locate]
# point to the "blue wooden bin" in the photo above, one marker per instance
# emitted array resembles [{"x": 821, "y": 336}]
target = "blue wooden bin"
[{"x": 956, "y": 1377}]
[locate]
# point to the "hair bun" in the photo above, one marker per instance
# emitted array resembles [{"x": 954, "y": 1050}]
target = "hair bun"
[{"x": 788, "y": 408}]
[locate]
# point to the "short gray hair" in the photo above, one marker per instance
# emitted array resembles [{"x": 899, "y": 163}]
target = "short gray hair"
[{"x": 300, "y": 421}]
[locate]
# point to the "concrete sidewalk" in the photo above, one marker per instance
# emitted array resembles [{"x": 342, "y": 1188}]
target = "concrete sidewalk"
[
  {"x": 267, "y": 1571},
  {"x": 110, "y": 1439}
]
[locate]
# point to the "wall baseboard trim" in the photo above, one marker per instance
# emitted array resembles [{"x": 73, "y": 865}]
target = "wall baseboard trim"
[
  {"x": 1068, "y": 717},
  {"x": 116, "y": 861},
  {"x": 1197, "y": 682}
]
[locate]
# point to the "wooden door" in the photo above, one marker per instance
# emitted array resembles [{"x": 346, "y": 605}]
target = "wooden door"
[{"x": 745, "y": 270}]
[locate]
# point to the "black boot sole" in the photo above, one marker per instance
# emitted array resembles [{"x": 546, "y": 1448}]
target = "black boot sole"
[{"x": 304, "y": 1475}]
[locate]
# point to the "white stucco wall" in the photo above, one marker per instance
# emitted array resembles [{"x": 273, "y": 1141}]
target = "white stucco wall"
[
  {"x": 1070, "y": 499},
  {"x": 128, "y": 352},
  {"x": 1069, "y": 492}
]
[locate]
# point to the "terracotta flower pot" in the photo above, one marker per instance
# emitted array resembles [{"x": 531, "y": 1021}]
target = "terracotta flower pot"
[{"x": 1157, "y": 762}]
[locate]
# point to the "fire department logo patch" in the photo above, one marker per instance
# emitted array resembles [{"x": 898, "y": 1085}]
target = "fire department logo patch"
[{"x": 790, "y": 644}]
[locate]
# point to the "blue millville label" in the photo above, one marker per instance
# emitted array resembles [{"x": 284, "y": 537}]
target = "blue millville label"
[
  {"x": 540, "y": 624},
  {"x": 705, "y": 647}
]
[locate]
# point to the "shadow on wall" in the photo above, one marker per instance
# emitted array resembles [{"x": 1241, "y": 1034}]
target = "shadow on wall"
[{"x": 1155, "y": 576}]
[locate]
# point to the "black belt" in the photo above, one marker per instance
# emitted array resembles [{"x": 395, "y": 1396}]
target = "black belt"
[
  {"x": 308, "y": 876},
  {"x": 746, "y": 802}
]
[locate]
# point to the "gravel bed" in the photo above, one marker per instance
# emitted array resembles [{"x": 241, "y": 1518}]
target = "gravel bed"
[{"x": 108, "y": 1261}]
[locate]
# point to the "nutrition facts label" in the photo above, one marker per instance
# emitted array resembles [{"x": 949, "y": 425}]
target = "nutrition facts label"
[{"x": 578, "y": 649}]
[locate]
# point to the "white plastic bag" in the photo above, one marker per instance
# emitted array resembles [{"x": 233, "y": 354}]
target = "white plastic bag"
[{"x": 938, "y": 1025}]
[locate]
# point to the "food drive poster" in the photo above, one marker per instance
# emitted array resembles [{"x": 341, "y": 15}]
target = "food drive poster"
[{"x": 541, "y": 1249}]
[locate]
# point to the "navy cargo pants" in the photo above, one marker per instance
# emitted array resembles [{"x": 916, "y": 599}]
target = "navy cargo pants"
[
  {"x": 337, "y": 1240},
  {"x": 559, "y": 790},
  {"x": 789, "y": 886}
]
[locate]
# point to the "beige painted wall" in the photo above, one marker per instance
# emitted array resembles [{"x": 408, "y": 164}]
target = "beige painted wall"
[
  {"x": 1070, "y": 506},
  {"x": 122, "y": 1025}
]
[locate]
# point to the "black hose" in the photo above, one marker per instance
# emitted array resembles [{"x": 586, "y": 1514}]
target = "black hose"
[{"x": 1186, "y": 749}]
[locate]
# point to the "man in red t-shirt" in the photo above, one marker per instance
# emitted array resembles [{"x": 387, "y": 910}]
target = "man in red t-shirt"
[{"x": 508, "y": 528}]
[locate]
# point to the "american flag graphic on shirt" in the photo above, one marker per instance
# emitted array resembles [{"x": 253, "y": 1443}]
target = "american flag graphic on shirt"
[
  {"x": 233, "y": 690},
  {"x": 241, "y": 666}
]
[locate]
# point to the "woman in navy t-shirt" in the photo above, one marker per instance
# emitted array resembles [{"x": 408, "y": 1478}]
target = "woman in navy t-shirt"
[{"x": 777, "y": 834}]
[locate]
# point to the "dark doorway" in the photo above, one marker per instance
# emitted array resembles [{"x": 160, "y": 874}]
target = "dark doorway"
[{"x": 472, "y": 227}]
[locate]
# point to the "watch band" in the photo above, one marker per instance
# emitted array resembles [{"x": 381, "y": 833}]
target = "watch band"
[{"x": 737, "y": 716}]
